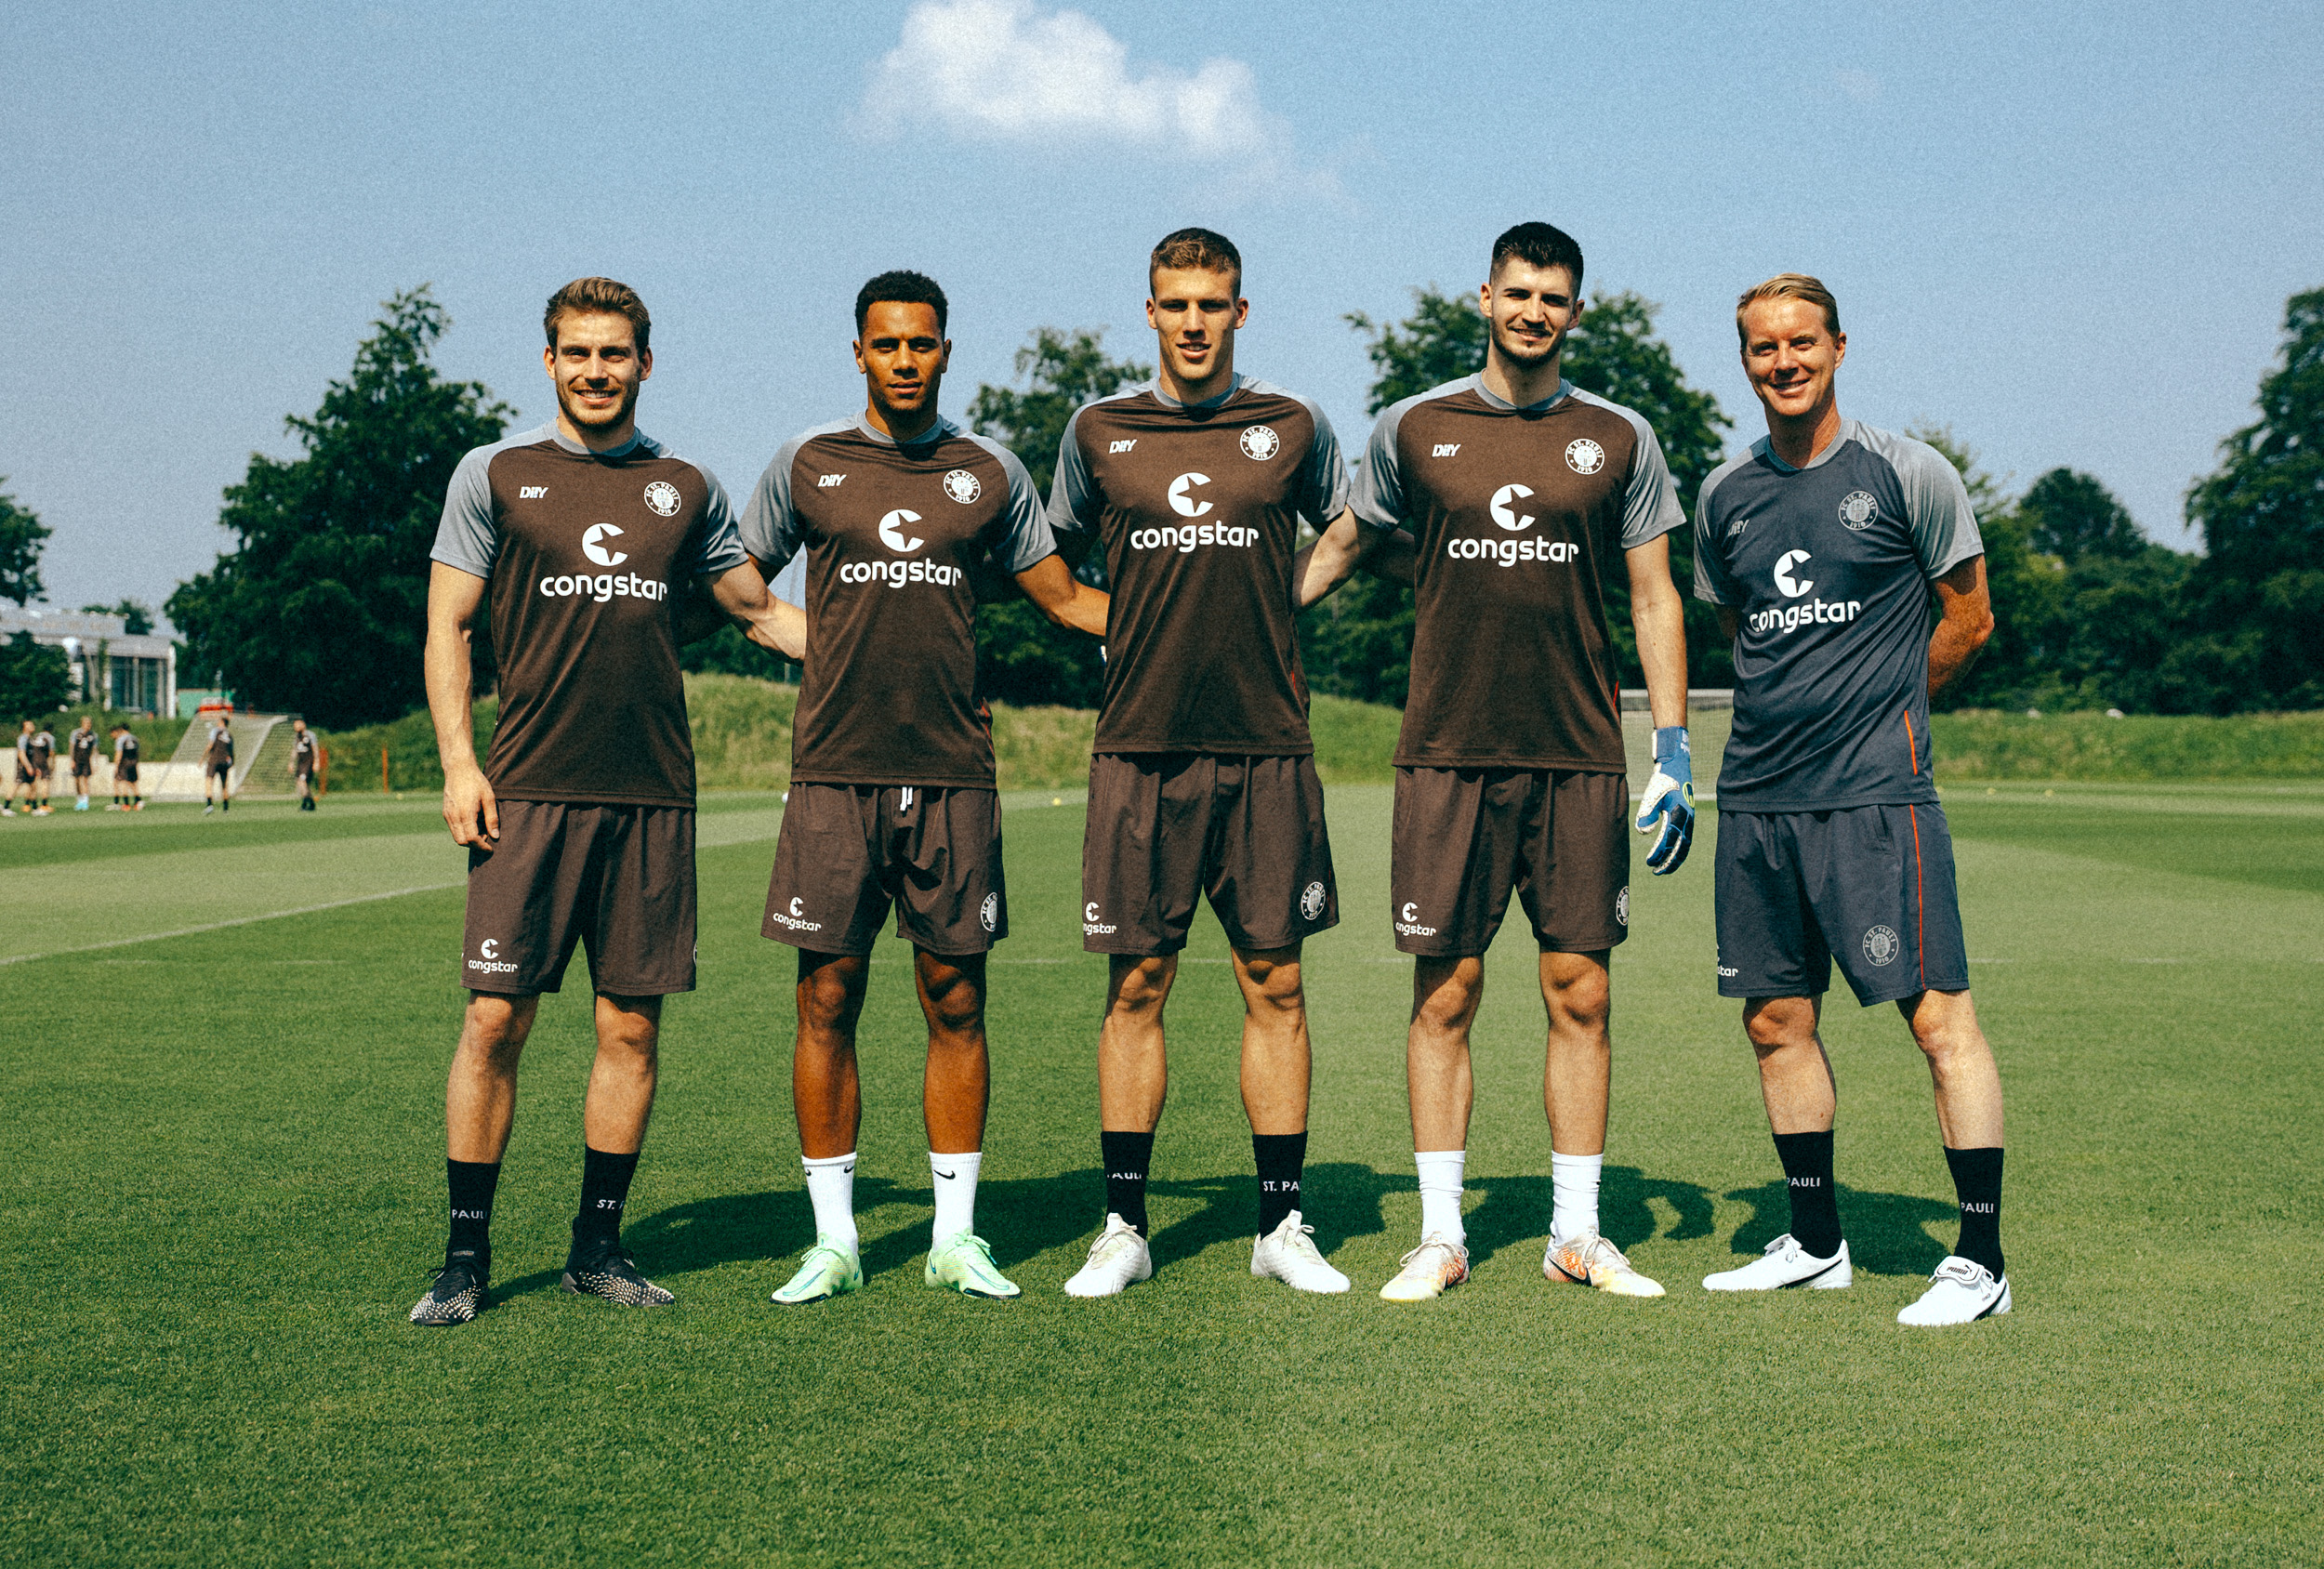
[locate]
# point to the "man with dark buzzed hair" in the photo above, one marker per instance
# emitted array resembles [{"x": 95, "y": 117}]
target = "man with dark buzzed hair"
[
  {"x": 1203, "y": 779},
  {"x": 892, "y": 795},
  {"x": 580, "y": 539},
  {"x": 1524, "y": 493}
]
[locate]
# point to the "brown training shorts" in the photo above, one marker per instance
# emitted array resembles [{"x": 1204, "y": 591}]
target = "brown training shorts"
[
  {"x": 1463, "y": 838},
  {"x": 846, "y": 851},
  {"x": 1248, "y": 832},
  {"x": 127, "y": 774},
  {"x": 617, "y": 879}
]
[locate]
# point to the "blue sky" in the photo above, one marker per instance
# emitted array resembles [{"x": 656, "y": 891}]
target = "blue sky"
[{"x": 2067, "y": 231}]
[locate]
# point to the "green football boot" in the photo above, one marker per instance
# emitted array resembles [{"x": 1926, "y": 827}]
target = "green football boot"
[
  {"x": 827, "y": 1270},
  {"x": 965, "y": 1264}
]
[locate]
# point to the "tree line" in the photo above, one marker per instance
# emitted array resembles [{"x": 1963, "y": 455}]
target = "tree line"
[{"x": 319, "y": 607}]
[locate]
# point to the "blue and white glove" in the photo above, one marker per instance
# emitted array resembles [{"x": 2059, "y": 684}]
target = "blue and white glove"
[{"x": 1670, "y": 800}]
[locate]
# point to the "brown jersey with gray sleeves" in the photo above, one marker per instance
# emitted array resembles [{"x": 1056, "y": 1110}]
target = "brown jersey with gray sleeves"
[
  {"x": 1198, "y": 507},
  {"x": 891, "y": 532},
  {"x": 1517, "y": 512},
  {"x": 587, "y": 555}
]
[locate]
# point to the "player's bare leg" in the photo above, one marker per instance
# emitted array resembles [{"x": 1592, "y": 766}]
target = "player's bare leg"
[
  {"x": 480, "y": 1107},
  {"x": 827, "y": 1099},
  {"x": 954, "y": 1097},
  {"x": 1971, "y": 1283},
  {"x": 1442, "y": 1084},
  {"x": 1276, "y": 1069},
  {"x": 1576, "y": 1078},
  {"x": 613, "y": 1122}
]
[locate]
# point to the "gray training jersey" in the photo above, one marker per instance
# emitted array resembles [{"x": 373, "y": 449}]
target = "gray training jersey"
[{"x": 1829, "y": 567}]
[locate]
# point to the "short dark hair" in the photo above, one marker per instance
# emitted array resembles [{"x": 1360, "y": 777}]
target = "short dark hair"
[
  {"x": 1539, "y": 244},
  {"x": 594, "y": 296},
  {"x": 1199, "y": 250},
  {"x": 901, "y": 287}
]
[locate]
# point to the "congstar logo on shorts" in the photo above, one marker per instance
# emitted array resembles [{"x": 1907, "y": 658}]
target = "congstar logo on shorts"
[
  {"x": 795, "y": 918},
  {"x": 1090, "y": 925},
  {"x": 489, "y": 961},
  {"x": 1408, "y": 921}
]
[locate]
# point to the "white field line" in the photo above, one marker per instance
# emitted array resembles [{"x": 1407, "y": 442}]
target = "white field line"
[{"x": 239, "y": 920}]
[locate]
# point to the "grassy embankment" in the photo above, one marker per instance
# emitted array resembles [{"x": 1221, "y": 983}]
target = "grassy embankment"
[{"x": 741, "y": 731}]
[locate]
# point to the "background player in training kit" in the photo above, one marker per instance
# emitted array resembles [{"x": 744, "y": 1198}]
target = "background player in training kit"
[
  {"x": 83, "y": 741},
  {"x": 127, "y": 795},
  {"x": 1203, "y": 779},
  {"x": 1521, "y": 491},
  {"x": 22, "y": 783},
  {"x": 43, "y": 752},
  {"x": 302, "y": 763},
  {"x": 892, "y": 795},
  {"x": 584, "y": 533},
  {"x": 1820, "y": 547},
  {"x": 217, "y": 768}
]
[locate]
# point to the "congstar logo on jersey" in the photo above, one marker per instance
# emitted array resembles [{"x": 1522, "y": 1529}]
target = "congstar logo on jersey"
[
  {"x": 1510, "y": 518},
  {"x": 1791, "y": 583},
  {"x": 1187, "y": 503},
  {"x": 896, "y": 534}
]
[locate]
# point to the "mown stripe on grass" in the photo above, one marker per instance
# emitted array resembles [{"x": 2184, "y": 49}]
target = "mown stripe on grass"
[{"x": 221, "y": 925}]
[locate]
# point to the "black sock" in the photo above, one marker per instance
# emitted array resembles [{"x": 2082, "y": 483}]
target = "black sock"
[
  {"x": 1814, "y": 1207},
  {"x": 471, "y": 1183},
  {"x": 604, "y": 1189},
  {"x": 1126, "y": 1155},
  {"x": 1977, "y": 1178},
  {"x": 1280, "y": 1156}
]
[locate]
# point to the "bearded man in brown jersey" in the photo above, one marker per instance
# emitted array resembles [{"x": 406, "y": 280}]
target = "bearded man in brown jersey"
[
  {"x": 1203, "y": 779},
  {"x": 580, "y": 823},
  {"x": 893, "y": 796},
  {"x": 1521, "y": 490}
]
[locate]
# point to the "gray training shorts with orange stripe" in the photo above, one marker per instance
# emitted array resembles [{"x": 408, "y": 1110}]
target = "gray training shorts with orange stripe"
[{"x": 1871, "y": 886}]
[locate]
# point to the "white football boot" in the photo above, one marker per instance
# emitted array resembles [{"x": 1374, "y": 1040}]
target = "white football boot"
[
  {"x": 1288, "y": 1254},
  {"x": 1786, "y": 1263},
  {"x": 1430, "y": 1271},
  {"x": 1589, "y": 1260},
  {"x": 1960, "y": 1292},
  {"x": 1117, "y": 1260}
]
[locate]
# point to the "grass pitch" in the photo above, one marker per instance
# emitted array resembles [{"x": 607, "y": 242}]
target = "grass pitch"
[{"x": 227, "y": 1187}]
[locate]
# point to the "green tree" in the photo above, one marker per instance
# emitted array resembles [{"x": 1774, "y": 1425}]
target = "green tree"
[
  {"x": 1021, "y": 657},
  {"x": 2073, "y": 516},
  {"x": 2258, "y": 593},
  {"x": 22, "y": 536},
  {"x": 322, "y": 605},
  {"x": 136, "y": 618},
  {"x": 35, "y": 680},
  {"x": 1614, "y": 352}
]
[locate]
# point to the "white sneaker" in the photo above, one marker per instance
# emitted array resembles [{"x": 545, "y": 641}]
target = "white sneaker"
[
  {"x": 1430, "y": 1270},
  {"x": 1590, "y": 1259},
  {"x": 1117, "y": 1260},
  {"x": 1960, "y": 1292},
  {"x": 1786, "y": 1263},
  {"x": 1286, "y": 1253}
]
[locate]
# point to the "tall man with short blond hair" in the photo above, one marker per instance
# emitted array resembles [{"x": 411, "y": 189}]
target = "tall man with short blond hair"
[
  {"x": 1203, "y": 779},
  {"x": 1821, "y": 548},
  {"x": 577, "y": 541}
]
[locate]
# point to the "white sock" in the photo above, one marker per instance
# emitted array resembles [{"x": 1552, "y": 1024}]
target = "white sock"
[
  {"x": 831, "y": 1188},
  {"x": 1574, "y": 1180},
  {"x": 954, "y": 1177},
  {"x": 1440, "y": 1193}
]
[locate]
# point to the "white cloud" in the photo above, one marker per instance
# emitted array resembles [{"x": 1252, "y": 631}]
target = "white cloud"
[{"x": 1009, "y": 70}]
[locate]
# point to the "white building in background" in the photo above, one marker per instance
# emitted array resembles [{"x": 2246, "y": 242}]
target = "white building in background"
[{"x": 137, "y": 672}]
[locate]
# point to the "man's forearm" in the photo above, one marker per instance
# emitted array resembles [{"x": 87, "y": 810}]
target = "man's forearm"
[
  {"x": 450, "y": 673},
  {"x": 1660, "y": 623}
]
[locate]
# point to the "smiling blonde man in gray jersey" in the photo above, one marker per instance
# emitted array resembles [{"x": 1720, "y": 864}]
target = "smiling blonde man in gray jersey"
[
  {"x": 892, "y": 795},
  {"x": 1202, "y": 782},
  {"x": 1821, "y": 546}
]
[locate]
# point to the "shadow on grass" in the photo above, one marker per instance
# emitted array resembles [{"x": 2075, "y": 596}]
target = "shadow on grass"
[{"x": 1887, "y": 1232}]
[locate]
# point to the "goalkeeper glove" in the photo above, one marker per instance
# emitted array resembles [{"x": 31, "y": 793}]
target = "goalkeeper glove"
[{"x": 1670, "y": 800}]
